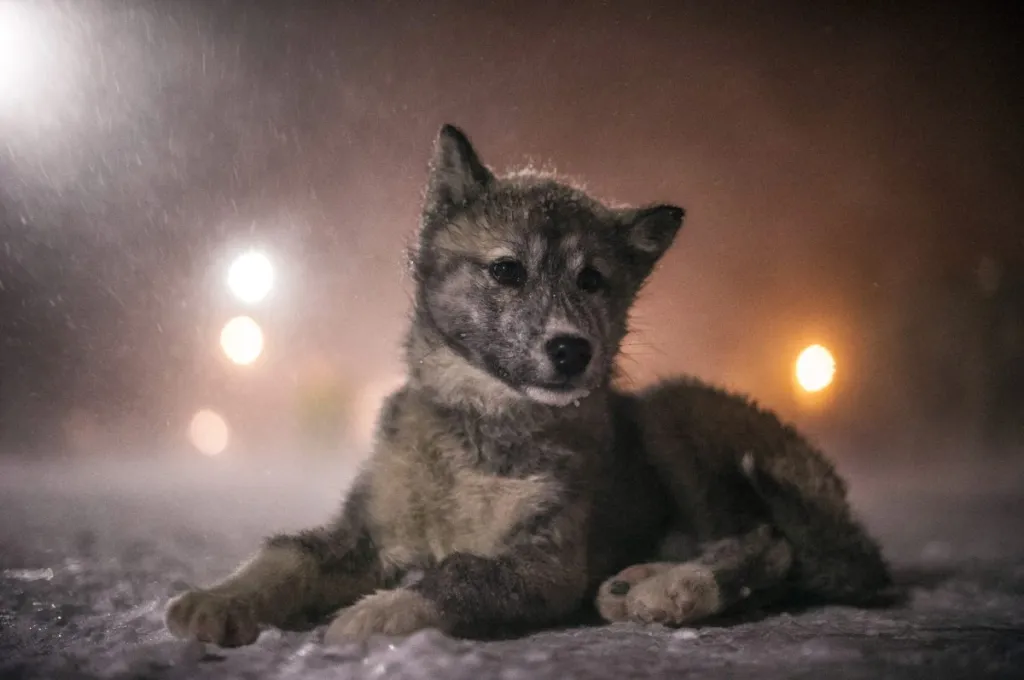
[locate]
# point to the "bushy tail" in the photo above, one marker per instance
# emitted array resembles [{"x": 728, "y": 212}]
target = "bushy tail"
[{"x": 835, "y": 558}]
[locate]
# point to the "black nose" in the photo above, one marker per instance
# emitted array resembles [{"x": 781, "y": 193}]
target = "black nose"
[{"x": 569, "y": 353}]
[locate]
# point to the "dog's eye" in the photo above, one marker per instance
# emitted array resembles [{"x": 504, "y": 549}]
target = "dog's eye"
[
  {"x": 590, "y": 280},
  {"x": 508, "y": 272}
]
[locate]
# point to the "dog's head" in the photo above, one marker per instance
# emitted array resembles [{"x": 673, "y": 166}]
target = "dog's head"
[{"x": 527, "y": 280}]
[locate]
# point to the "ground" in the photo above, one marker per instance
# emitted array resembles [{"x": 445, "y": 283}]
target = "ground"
[{"x": 90, "y": 552}]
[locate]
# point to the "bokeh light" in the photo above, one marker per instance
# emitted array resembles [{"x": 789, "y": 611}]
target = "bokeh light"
[
  {"x": 815, "y": 368},
  {"x": 242, "y": 340},
  {"x": 251, "y": 276},
  {"x": 208, "y": 432}
]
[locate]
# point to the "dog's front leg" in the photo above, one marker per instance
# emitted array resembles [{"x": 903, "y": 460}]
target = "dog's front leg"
[
  {"x": 290, "y": 577},
  {"x": 539, "y": 580}
]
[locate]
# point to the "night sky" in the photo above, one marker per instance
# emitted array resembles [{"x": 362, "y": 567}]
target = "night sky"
[{"x": 852, "y": 177}]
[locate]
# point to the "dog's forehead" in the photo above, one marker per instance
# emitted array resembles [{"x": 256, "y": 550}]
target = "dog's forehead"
[
  {"x": 538, "y": 218},
  {"x": 551, "y": 206},
  {"x": 531, "y": 220}
]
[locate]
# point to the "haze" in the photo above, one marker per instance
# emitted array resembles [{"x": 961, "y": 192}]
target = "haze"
[{"x": 852, "y": 178}]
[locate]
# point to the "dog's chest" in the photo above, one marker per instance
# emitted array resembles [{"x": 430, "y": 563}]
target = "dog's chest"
[{"x": 431, "y": 499}]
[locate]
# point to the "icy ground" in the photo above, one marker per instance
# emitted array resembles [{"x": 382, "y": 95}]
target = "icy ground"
[{"x": 90, "y": 552}]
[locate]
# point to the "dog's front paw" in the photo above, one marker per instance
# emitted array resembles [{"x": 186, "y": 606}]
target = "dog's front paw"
[
  {"x": 208, "y": 617},
  {"x": 611, "y": 596},
  {"x": 682, "y": 594},
  {"x": 386, "y": 612}
]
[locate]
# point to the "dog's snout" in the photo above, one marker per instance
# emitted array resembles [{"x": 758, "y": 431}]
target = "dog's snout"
[{"x": 570, "y": 354}]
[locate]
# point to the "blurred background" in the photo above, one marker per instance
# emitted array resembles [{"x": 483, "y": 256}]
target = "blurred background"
[{"x": 204, "y": 208}]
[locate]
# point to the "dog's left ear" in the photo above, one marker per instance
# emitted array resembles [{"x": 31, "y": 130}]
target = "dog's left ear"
[
  {"x": 456, "y": 173},
  {"x": 651, "y": 230}
]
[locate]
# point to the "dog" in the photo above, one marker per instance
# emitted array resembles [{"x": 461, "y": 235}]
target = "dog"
[
  {"x": 495, "y": 473},
  {"x": 512, "y": 477}
]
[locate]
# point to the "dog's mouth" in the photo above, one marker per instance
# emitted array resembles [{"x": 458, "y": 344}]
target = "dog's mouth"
[
  {"x": 557, "y": 387},
  {"x": 560, "y": 394},
  {"x": 551, "y": 393}
]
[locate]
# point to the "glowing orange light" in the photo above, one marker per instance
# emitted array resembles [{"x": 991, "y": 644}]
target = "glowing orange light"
[{"x": 815, "y": 368}]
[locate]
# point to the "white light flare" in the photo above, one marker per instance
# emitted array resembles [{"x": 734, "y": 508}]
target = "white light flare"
[
  {"x": 209, "y": 432},
  {"x": 242, "y": 340},
  {"x": 251, "y": 276},
  {"x": 26, "y": 53}
]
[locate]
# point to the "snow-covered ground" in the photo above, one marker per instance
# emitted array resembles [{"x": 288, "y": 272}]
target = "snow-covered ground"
[{"x": 90, "y": 552}]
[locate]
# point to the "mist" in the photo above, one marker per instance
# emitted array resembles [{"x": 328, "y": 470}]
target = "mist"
[{"x": 851, "y": 179}]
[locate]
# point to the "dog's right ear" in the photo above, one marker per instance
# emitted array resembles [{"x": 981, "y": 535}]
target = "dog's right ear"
[
  {"x": 651, "y": 230},
  {"x": 456, "y": 173}
]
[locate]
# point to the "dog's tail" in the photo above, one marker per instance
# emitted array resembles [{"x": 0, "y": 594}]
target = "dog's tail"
[{"x": 835, "y": 559}]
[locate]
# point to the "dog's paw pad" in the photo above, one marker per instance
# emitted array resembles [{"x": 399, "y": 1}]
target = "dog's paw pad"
[{"x": 619, "y": 587}]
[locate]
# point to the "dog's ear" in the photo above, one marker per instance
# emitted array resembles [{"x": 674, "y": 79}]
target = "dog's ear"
[
  {"x": 651, "y": 230},
  {"x": 456, "y": 173}
]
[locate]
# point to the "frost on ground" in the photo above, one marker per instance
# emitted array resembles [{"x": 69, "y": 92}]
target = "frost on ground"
[{"x": 90, "y": 552}]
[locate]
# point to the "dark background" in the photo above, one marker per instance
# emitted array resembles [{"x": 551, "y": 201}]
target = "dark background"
[{"x": 852, "y": 177}]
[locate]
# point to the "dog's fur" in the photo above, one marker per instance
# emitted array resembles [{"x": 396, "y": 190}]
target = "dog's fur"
[
  {"x": 759, "y": 515},
  {"x": 510, "y": 473}
]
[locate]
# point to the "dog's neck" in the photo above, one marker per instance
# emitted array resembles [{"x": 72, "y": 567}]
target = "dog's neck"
[{"x": 452, "y": 382}]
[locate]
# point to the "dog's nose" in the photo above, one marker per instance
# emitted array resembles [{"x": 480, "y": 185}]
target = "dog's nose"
[{"x": 569, "y": 353}]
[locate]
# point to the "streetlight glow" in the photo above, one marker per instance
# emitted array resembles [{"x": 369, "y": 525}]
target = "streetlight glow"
[
  {"x": 815, "y": 368},
  {"x": 251, "y": 276},
  {"x": 208, "y": 432},
  {"x": 242, "y": 340}
]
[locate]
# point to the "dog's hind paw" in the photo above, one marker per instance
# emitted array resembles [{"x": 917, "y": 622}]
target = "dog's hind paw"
[
  {"x": 682, "y": 594},
  {"x": 611, "y": 596}
]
